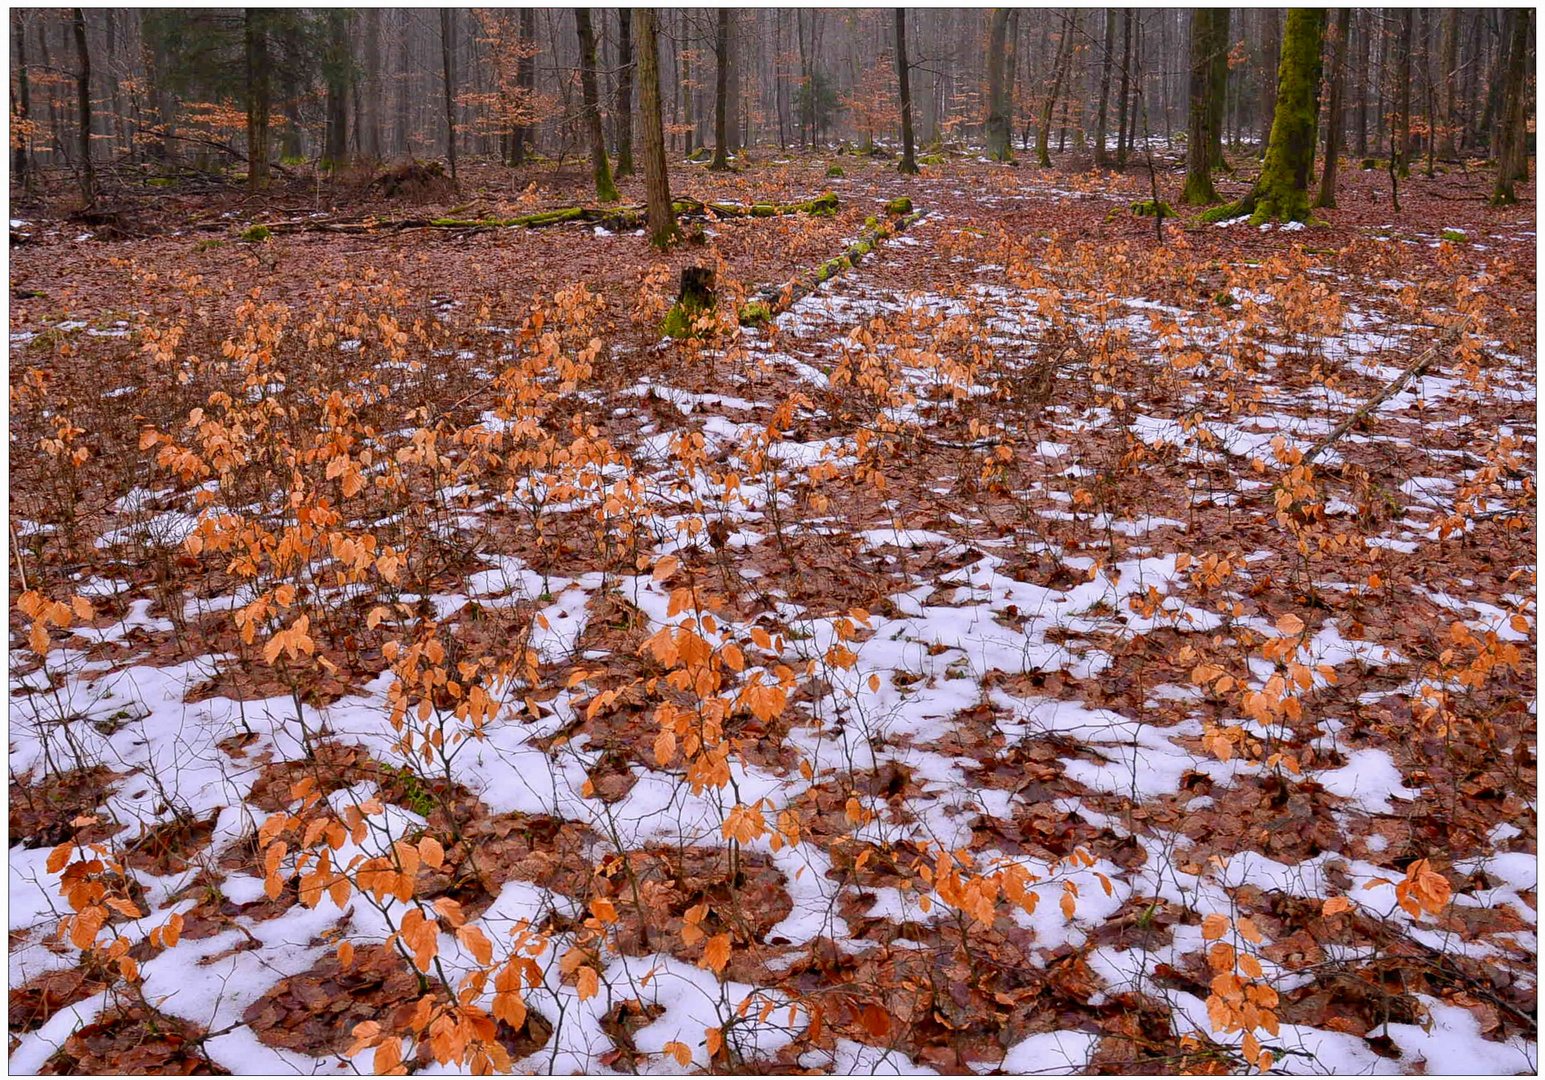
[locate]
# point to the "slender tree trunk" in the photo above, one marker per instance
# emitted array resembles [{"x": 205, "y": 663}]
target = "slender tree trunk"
[
  {"x": 688, "y": 91},
  {"x": 721, "y": 52},
  {"x": 255, "y": 35},
  {"x": 20, "y": 158},
  {"x": 998, "y": 120},
  {"x": 337, "y": 150},
  {"x": 1043, "y": 136},
  {"x": 1360, "y": 114},
  {"x": 624, "y": 105},
  {"x": 1334, "y": 111},
  {"x": 448, "y": 80},
  {"x": 605, "y": 190},
  {"x": 1513, "y": 154},
  {"x": 1281, "y": 192},
  {"x": 1105, "y": 66},
  {"x": 1446, "y": 142},
  {"x": 1126, "y": 74},
  {"x": 370, "y": 130},
  {"x": 1218, "y": 86},
  {"x": 908, "y": 164},
  {"x": 660, "y": 218},
  {"x": 1401, "y": 135},
  {"x": 88, "y": 175}
]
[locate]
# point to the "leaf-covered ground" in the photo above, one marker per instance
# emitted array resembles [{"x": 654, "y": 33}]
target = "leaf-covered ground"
[{"x": 966, "y": 664}]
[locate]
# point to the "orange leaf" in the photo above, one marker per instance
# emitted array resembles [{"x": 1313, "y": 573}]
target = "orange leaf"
[
  {"x": 681, "y": 1052},
  {"x": 876, "y": 1021},
  {"x": 587, "y": 982},
  {"x": 717, "y": 952},
  {"x": 1214, "y": 927}
]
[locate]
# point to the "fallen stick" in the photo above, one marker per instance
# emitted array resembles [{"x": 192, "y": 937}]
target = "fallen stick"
[{"x": 1418, "y": 366}]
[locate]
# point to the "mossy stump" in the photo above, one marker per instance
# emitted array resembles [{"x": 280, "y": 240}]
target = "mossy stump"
[
  {"x": 1152, "y": 208},
  {"x": 696, "y": 297},
  {"x": 834, "y": 172},
  {"x": 898, "y": 207}
]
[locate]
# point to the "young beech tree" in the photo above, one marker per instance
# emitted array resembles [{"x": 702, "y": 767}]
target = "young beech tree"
[
  {"x": 999, "y": 122},
  {"x": 660, "y": 218},
  {"x": 1281, "y": 192},
  {"x": 605, "y": 189}
]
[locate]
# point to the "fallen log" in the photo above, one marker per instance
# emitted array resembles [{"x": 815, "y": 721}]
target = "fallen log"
[{"x": 773, "y": 299}]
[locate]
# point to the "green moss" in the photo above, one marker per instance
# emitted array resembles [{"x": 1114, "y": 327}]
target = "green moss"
[
  {"x": 257, "y": 234},
  {"x": 1369, "y": 164},
  {"x": 161, "y": 182},
  {"x": 755, "y": 313},
  {"x": 1152, "y": 208},
  {"x": 898, "y": 207},
  {"x": 208, "y": 245},
  {"x": 834, "y": 172},
  {"x": 1454, "y": 236},
  {"x": 931, "y": 159},
  {"x": 764, "y": 210},
  {"x": 1224, "y": 299},
  {"x": 701, "y": 154},
  {"x": 871, "y": 221},
  {"x": 680, "y": 319}
]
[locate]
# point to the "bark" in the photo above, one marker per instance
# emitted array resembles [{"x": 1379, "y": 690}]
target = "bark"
[
  {"x": 400, "y": 142},
  {"x": 1043, "y": 136},
  {"x": 1334, "y": 112},
  {"x": 337, "y": 91},
  {"x": 88, "y": 176},
  {"x": 1218, "y": 82},
  {"x": 22, "y": 109},
  {"x": 1281, "y": 192},
  {"x": 1446, "y": 143},
  {"x": 721, "y": 52},
  {"x": 1200, "y": 136},
  {"x": 1105, "y": 65},
  {"x": 1271, "y": 57},
  {"x": 998, "y": 120},
  {"x": 1126, "y": 77},
  {"x": 448, "y": 80},
  {"x": 525, "y": 79},
  {"x": 624, "y": 103},
  {"x": 1514, "y": 142},
  {"x": 1360, "y": 124},
  {"x": 255, "y": 35},
  {"x": 605, "y": 190},
  {"x": 1401, "y": 133},
  {"x": 908, "y": 164},
  {"x": 661, "y": 219},
  {"x": 370, "y": 130}
]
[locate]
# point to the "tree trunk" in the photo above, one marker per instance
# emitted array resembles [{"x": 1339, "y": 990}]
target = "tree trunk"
[
  {"x": 1204, "y": 96},
  {"x": 721, "y": 54},
  {"x": 998, "y": 120},
  {"x": 1218, "y": 83},
  {"x": 1360, "y": 122},
  {"x": 1512, "y": 155},
  {"x": 1333, "y": 110},
  {"x": 1400, "y": 135},
  {"x": 448, "y": 81},
  {"x": 1281, "y": 192},
  {"x": 1105, "y": 66},
  {"x": 660, "y": 218},
  {"x": 88, "y": 176},
  {"x": 370, "y": 131},
  {"x": 400, "y": 113},
  {"x": 624, "y": 105},
  {"x": 1043, "y": 136},
  {"x": 908, "y": 164},
  {"x": 255, "y": 35},
  {"x": 605, "y": 190},
  {"x": 1126, "y": 77},
  {"x": 1271, "y": 57},
  {"x": 22, "y": 110},
  {"x": 337, "y": 149},
  {"x": 1450, "y": 43}
]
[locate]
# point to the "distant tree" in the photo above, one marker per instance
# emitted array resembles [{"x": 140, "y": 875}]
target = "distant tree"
[
  {"x": 623, "y": 108},
  {"x": 721, "y": 53},
  {"x": 1049, "y": 103},
  {"x": 999, "y": 122},
  {"x": 1512, "y": 156},
  {"x": 88, "y": 175},
  {"x": 908, "y": 164},
  {"x": 660, "y": 220},
  {"x": 338, "y": 71},
  {"x": 1400, "y": 134},
  {"x": 1105, "y": 66},
  {"x": 1126, "y": 74},
  {"x": 21, "y": 106},
  {"x": 605, "y": 189},
  {"x": 448, "y": 72},
  {"x": 259, "y": 97},
  {"x": 1334, "y": 111}
]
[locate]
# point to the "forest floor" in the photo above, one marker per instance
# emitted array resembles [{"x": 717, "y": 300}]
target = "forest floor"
[{"x": 964, "y": 663}]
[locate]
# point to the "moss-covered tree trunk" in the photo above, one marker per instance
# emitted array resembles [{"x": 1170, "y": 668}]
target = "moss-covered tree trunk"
[
  {"x": 1281, "y": 193},
  {"x": 1209, "y": 36},
  {"x": 605, "y": 189},
  {"x": 1333, "y": 111},
  {"x": 660, "y": 215},
  {"x": 998, "y": 122},
  {"x": 1513, "y": 151}
]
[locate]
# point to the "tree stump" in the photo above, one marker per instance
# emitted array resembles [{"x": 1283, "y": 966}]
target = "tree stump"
[{"x": 696, "y": 296}]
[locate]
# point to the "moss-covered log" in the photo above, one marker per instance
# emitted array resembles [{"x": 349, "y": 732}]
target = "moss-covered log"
[{"x": 776, "y": 298}]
